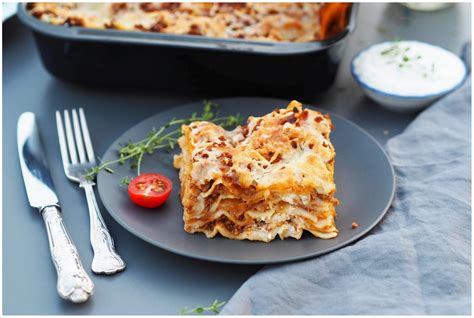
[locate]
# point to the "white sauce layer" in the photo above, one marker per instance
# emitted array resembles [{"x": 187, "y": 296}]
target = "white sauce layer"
[{"x": 409, "y": 68}]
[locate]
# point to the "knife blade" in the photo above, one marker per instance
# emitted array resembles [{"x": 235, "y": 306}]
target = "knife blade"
[
  {"x": 73, "y": 282},
  {"x": 34, "y": 167}
]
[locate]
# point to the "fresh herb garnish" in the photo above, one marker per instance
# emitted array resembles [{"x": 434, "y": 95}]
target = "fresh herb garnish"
[
  {"x": 108, "y": 170},
  {"x": 125, "y": 181},
  {"x": 398, "y": 54},
  {"x": 214, "y": 307},
  {"x": 392, "y": 49},
  {"x": 133, "y": 152}
]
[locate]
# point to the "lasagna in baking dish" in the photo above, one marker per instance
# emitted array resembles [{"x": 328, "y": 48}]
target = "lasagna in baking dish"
[
  {"x": 272, "y": 176},
  {"x": 292, "y": 22}
]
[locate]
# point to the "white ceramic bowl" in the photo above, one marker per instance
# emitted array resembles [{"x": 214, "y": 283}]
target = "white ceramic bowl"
[{"x": 400, "y": 103}]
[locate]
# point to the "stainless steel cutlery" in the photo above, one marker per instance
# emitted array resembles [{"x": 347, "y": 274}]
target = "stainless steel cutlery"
[
  {"x": 78, "y": 158},
  {"x": 73, "y": 282}
]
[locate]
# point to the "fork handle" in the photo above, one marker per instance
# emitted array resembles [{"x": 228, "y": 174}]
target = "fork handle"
[
  {"x": 106, "y": 260},
  {"x": 73, "y": 282}
]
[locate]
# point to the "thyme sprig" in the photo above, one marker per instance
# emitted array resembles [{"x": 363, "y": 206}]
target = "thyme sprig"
[
  {"x": 164, "y": 137},
  {"x": 214, "y": 307}
]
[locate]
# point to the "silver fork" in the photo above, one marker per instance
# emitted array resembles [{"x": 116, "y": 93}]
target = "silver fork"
[{"x": 106, "y": 260}]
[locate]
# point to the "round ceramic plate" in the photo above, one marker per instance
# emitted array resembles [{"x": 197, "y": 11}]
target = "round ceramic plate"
[{"x": 364, "y": 179}]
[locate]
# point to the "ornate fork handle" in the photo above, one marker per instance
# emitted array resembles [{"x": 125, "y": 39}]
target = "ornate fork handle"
[
  {"x": 106, "y": 260},
  {"x": 73, "y": 282}
]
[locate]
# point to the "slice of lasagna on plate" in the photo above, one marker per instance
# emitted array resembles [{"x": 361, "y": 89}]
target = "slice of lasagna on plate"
[{"x": 272, "y": 176}]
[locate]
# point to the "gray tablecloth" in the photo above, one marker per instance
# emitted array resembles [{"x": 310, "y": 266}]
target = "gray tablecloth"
[{"x": 417, "y": 260}]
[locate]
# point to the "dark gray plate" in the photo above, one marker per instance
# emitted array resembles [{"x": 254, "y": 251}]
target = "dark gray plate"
[{"x": 364, "y": 178}]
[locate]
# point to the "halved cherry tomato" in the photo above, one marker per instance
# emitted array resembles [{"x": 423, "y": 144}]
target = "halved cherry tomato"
[{"x": 150, "y": 190}]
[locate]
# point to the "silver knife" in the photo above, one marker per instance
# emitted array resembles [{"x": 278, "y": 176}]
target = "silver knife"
[{"x": 73, "y": 282}]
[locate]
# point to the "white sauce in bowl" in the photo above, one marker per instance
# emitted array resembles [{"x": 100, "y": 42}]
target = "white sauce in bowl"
[{"x": 408, "y": 68}]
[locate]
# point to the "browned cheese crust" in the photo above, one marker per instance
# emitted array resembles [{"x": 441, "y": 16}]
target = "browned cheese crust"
[{"x": 291, "y": 22}]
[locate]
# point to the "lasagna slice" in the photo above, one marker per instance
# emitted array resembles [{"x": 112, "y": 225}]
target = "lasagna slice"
[{"x": 272, "y": 176}]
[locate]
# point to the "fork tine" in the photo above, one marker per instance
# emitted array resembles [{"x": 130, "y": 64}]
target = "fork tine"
[
  {"x": 71, "y": 144},
  {"x": 78, "y": 135},
  {"x": 87, "y": 137},
  {"x": 62, "y": 140}
]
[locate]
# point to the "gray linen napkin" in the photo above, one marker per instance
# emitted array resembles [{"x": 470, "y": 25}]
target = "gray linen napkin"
[{"x": 417, "y": 260}]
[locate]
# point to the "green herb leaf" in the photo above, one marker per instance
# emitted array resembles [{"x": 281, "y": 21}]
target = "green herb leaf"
[
  {"x": 125, "y": 181},
  {"x": 199, "y": 310},
  {"x": 108, "y": 170},
  {"x": 214, "y": 307},
  {"x": 391, "y": 49}
]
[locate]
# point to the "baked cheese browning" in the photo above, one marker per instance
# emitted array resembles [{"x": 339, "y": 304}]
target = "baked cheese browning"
[
  {"x": 292, "y": 22},
  {"x": 272, "y": 176}
]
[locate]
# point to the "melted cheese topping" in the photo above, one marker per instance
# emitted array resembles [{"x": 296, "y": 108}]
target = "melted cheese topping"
[
  {"x": 273, "y": 175},
  {"x": 293, "y": 22}
]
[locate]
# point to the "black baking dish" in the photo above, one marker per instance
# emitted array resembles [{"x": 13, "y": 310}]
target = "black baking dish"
[{"x": 189, "y": 63}]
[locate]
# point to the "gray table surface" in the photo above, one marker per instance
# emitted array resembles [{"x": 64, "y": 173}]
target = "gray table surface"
[{"x": 156, "y": 281}]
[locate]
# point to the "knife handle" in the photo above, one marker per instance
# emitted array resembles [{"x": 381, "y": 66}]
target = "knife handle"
[{"x": 73, "y": 282}]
